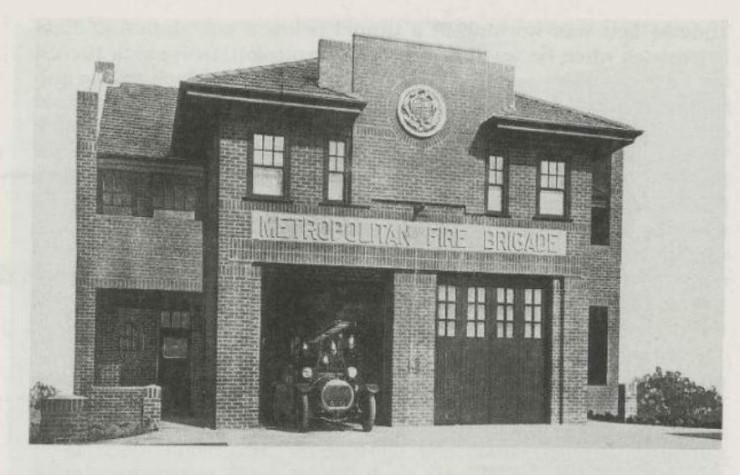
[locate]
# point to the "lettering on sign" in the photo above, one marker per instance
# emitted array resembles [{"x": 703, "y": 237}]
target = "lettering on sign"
[{"x": 395, "y": 233}]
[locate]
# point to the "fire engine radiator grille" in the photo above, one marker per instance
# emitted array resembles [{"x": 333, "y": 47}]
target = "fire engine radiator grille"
[{"x": 337, "y": 395}]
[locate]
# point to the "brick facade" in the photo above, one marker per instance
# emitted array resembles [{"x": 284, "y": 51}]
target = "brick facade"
[{"x": 393, "y": 176}]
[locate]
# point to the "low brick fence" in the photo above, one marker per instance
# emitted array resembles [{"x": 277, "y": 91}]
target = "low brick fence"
[{"x": 107, "y": 412}]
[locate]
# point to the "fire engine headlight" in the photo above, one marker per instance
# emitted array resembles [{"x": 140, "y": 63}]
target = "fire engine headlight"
[
  {"x": 307, "y": 373},
  {"x": 352, "y": 372}
]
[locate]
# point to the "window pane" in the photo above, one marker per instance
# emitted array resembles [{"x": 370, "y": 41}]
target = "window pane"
[
  {"x": 278, "y": 159},
  {"x": 258, "y": 142},
  {"x": 495, "y": 198},
  {"x": 175, "y": 319},
  {"x": 440, "y": 310},
  {"x": 268, "y": 181},
  {"x": 471, "y": 312},
  {"x": 509, "y": 295},
  {"x": 509, "y": 330},
  {"x": 499, "y": 178},
  {"x": 267, "y": 157},
  {"x": 340, "y": 149},
  {"x": 441, "y": 293},
  {"x": 500, "y": 312},
  {"x": 527, "y": 331},
  {"x": 336, "y": 187},
  {"x": 552, "y": 203},
  {"x": 538, "y": 314},
  {"x": 481, "y": 294},
  {"x": 451, "y": 311},
  {"x": 268, "y": 142},
  {"x": 499, "y": 330},
  {"x": 471, "y": 294},
  {"x": 332, "y": 147},
  {"x": 561, "y": 168},
  {"x": 175, "y": 347},
  {"x": 528, "y": 296},
  {"x": 441, "y": 329},
  {"x": 527, "y": 314},
  {"x": 481, "y": 314},
  {"x": 500, "y": 295},
  {"x": 185, "y": 320},
  {"x": 537, "y": 296},
  {"x": 451, "y": 293},
  {"x": 258, "y": 157},
  {"x": 279, "y": 143},
  {"x": 340, "y": 164},
  {"x": 481, "y": 329},
  {"x": 450, "y": 328},
  {"x": 544, "y": 167},
  {"x": 471, "y": 329},
  {"x": 537, "y": 331}
]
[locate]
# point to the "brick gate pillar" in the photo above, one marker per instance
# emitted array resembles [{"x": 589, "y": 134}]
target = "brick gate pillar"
[{"x": 412, "y": 387}]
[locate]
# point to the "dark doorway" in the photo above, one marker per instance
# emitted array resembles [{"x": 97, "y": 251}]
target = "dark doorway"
[
  {"x": 492, "y": 362},
  {"x": 174, "y": 362},
  {"x": 298, "y": 301}
]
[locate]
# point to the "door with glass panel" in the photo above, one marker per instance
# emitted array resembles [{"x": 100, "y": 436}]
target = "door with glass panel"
[{"x": 518, "y": 386}]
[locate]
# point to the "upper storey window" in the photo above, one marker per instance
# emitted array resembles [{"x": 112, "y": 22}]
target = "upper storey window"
[
  {"x": 337, "y": 178},
  {"x": 600, "y": 200},
  {"x": 551, "y": 190},
  {"x": 148, "y": 194},
  {"x": 268, "y": 166},
  {"x": 496, "y": 185}
]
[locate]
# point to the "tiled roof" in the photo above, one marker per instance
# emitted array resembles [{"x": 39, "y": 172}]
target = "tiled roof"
[
  {"x": 295, "y": 77},
  {"x": 531, "y": 109},
  {"x": 137, "y": 120}
]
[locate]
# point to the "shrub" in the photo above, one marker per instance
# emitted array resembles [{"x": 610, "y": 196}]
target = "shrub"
[
  {"x": 668, "y": 398},
  {"x": 38, "y": 393}
]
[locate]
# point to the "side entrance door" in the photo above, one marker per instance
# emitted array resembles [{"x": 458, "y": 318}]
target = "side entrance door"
[
  {"x": 491, "y": 353},
  {"x": 174, "y": 362}
]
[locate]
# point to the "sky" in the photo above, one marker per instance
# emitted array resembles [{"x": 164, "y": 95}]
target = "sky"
[{"x": 667, "y": 79}]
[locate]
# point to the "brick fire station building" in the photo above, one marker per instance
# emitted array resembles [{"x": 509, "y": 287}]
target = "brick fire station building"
[{"x": 472, "y": 232}]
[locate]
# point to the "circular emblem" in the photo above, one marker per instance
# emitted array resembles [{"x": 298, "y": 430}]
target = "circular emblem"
[{"x": 421, "y": 111}]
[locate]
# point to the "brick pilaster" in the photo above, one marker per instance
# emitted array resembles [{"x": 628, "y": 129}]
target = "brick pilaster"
[
  {"x": 412, "y": 390},
  {"x": 87, "y": 115}
]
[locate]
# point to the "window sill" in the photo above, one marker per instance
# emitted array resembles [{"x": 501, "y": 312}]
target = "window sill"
[
  {"x": 491, "y": 214},
  {"x": 563, "y": 219},
  {"x": 277, "y": 199},
  {"x": 339, "y": 204}
]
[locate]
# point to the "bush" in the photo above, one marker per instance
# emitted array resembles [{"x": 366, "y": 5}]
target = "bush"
[
  {"x": 667, "y": 398},
  {"x": 38, "y": 393}
]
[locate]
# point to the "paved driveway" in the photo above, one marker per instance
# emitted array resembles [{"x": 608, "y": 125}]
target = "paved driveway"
[{"x": 590, "y": 435}]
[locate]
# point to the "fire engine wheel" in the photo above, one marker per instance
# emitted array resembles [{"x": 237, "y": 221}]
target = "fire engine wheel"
[
  {"x": 303, "y": 413},
  {"x": 368, "y": 421}
]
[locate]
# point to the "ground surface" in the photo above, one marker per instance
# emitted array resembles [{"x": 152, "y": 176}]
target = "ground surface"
[{"x": 590, "y": 435}]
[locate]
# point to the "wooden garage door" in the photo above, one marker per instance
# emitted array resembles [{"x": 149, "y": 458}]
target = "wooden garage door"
[{"x": 491, "y": 354}]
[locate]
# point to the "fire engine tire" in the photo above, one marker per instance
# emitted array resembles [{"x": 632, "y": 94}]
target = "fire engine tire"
[
  {"x": 368, "y": 421},
  {"x": 303, "y": 413}
]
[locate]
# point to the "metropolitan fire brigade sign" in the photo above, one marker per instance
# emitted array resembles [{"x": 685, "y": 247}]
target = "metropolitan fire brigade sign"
[{"x": 302, "y": 228}]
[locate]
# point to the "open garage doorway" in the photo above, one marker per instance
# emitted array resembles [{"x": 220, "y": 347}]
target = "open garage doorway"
[{"x": 299, "y": 301}]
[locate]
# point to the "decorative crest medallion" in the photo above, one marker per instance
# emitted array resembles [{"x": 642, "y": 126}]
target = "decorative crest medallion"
[{"x": 421, "y": 111}]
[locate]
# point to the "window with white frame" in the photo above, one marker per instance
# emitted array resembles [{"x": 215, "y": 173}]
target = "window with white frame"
[
  {"x": 337, "y": 172},
  {"x": 495, "y": 185},
  {"x": 551, "y": 193},
  {"x": 268, "y": 165}
]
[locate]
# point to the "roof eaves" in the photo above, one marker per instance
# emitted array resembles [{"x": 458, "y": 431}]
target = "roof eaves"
[
  {"x": 613, "y": 123},
  {"x": 331, "y": 95}
]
